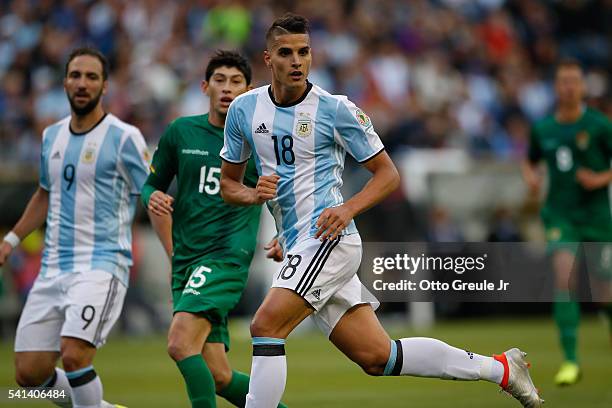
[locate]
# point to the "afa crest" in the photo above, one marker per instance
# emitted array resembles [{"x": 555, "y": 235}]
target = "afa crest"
[
  {"x": 303, "y": 127},
  {"x": 89, "y": 155},
  {"x": 582, "y": 140}
]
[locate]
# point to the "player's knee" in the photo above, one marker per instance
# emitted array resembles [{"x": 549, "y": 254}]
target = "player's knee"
[
  {"x": 262, "y": 325},
  {"x": 178, "y": 349},
  {"x": 258, "y": 328},
  {"x": 73, "y": 359}
]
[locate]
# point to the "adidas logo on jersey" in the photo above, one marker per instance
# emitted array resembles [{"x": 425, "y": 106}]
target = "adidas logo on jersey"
[
  {"x": 56, "y": 155},
  {"x": 316, "y": 293},
  {"x": 262, "y": 129}
]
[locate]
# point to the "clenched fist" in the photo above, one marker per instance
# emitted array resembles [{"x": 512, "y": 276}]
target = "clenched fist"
[
  {"x": 266, "y": 188},
  {"x": 160, "y": 203}
]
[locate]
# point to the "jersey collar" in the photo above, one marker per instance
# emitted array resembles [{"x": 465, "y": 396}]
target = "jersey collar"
[
  {"x": 88, "y": 130},
  {"x": 288, "y": 105}
]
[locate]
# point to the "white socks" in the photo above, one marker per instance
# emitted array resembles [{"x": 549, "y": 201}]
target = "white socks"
[
  {"x": 417, "y": 356},
  {"x": 59, "y": 381},
  {"x": 268, "y": 373},
  {"x": 425, "y": 357},
  {"x": 86, "y": 388}
]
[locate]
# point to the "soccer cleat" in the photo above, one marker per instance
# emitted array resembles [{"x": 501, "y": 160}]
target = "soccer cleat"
[
  {"x": 568, "y": 374},
  {"x": 516, "y": 380}
]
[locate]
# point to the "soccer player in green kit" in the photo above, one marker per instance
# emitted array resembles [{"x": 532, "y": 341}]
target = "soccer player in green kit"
[
  {"x": 576, "y": 145},
  {"x": 211, "y": 243}
]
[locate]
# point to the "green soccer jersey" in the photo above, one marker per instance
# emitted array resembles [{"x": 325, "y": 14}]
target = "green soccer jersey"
[
  {"x": 586, "y": 143},
  {"x": 203, "y": 225}
]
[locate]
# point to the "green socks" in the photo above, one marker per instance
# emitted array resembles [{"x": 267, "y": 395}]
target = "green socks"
[
  {"x": 199, "y": 381},
  {"x": 567, "y": 315},
  {"x": 237, "y": 390}
]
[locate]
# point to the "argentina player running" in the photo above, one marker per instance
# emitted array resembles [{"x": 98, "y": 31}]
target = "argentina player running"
[
  {"x": 299, "y": 134},
  {"x": 92, "y": 168}
]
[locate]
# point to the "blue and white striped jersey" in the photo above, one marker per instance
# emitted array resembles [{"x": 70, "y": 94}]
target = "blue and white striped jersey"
[
  {"x": 93, "y": 180},
  {"x": 305, "y": 144}
]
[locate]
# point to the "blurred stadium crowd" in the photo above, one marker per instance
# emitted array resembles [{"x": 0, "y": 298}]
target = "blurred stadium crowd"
[
  {"x": 466, "y": 74},
  {"x": 431, "y": 73}
]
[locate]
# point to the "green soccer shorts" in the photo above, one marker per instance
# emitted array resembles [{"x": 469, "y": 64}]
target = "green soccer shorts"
[
  {"x": 596, "y": 240},
  {"x": 209, "y": 288}
]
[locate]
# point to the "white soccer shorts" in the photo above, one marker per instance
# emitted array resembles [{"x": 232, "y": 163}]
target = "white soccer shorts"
[
  {"x": 325, "y": 275},
  {"x": 84, "y": 305}
]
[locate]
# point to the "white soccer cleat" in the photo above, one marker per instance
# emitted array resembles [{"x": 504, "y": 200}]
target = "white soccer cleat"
[{"x": 517, "y": 381}]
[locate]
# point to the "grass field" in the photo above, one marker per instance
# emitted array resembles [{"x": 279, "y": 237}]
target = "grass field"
[{"x": 137, "y": 372}]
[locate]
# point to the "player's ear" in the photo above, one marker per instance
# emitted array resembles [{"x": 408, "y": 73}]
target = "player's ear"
[
  {"x": 267, "y": 58},
  {"x": 104, "y": 86},
  {"x": 204, "y": 86}
]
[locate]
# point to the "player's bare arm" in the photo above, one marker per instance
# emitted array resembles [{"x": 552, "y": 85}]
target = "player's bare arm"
[
  {"x": 33, "y": 217},
  {"x": 160, "y": 210},
  {"x": 236, "y": 193},
  {"x": 162, "y": 224},
  {"x": 385, "y": 179},
  {"x": 592, "y": 180},
  {"x": 532, "y": 176}
]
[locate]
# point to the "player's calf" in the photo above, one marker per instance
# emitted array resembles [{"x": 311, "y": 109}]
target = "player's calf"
[
  {"x": 216, "y": 359},
  {"x": 221, "y": 375},
  {"x": 371, "y": 348},
  {"x": 372, "y": 362}
]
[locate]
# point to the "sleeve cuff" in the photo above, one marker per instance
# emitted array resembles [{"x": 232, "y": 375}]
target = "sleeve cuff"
[
  {"x": 145, "y": 194},
  {"x": 372, "y": 156},
  {"x": 234, "y": 162}
]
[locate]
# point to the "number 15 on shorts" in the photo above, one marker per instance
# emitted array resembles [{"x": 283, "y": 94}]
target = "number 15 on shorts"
[{"x": 198, "y": 279}]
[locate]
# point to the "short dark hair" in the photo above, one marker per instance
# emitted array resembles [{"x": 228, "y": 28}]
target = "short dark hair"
[
  {"x": 568, "y": 63},
  {"x": 87, "y": 50},
  {"x": 231, "y": 59},
  {"x": 289, "y": 23}
]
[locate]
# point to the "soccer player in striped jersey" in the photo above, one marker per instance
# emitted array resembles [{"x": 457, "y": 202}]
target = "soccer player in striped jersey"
[
  {"x": 298, "y": 134},
  {"x": 210, "y": 243},
  {"x": 92, "y": 168}
]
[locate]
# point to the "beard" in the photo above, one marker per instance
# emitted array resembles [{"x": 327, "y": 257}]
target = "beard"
[{"x": 84, "y": 109}]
